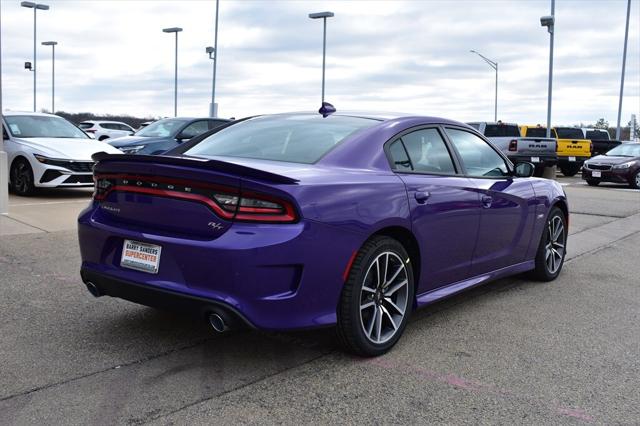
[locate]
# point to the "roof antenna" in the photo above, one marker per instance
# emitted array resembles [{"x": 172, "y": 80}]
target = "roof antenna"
[{"x": 326, "y": 109}]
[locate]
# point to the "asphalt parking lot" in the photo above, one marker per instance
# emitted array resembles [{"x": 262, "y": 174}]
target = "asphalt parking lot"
[{"x": 513, "y": 351}]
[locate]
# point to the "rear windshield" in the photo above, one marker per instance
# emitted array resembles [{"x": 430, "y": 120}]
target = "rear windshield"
[
  {"x": 569, "y": 133},
  {"x": 85, "y": 125},
  {"x": 537, "y": 132},
  {"x": 300, "y": 138},
  {"x": 597, "y": 136},
  {"x": 498, "y": 130}
]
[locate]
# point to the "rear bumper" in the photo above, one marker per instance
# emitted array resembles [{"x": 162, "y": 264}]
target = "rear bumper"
[
  {"x": 544, "y": 160},
  {"x": 613, "y": 175},
  {"x": 571, "y": 159},
  {"x": 274, "y": 277}
]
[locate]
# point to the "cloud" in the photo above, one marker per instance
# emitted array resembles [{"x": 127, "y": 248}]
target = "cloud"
[{"x": 410, "y": 56}]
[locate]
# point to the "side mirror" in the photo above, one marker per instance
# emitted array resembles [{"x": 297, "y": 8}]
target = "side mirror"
[{"x": 524, "y": 170}]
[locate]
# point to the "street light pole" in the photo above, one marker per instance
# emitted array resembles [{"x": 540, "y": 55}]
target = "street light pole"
[
  {"x": 624, "y": 62},
  {"x": 549, "y": 22},
  {"x": 35, "y": 7},
  {"x": 324, "y": 16},
  {"x": 493, "y": 65},
  {"x": 53, "y": 73},
  {"x": 213, "y": 111},
  {"x": 175, "y": 30}
]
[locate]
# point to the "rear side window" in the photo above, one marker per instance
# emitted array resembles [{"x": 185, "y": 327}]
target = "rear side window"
[
  {"x": 428, "y": 152},
  {"x": 399, "y": 159},
  {"x": 297, "y": 138},
  {"x": 537, "y": 132},
  {"x": 501, "y": 130},
  {"x": 479, "y": 159}
]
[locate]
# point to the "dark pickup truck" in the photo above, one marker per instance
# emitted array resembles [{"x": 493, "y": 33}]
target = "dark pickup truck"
[{"x": 600, "y": 141}]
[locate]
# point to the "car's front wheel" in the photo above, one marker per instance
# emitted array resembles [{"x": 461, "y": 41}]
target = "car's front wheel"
[
  {"x": 377, "y": 298},
  {"x": 552, "y": 248},
  {"x": 21, "y": 177}
]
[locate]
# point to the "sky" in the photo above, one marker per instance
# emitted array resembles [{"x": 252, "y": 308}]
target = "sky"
[{"x": 402, "y": 56}]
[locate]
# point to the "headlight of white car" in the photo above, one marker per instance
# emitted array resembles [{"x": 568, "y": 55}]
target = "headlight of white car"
[
  {"x": 131, "y": 149},
  {"x": 623, "y": 165}
]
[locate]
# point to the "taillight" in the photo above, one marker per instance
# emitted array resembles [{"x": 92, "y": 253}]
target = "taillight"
[
  {"x": 90, "y": 130},
  {"x": 513, "y": 145},
  {"x": 228, "y": 203}
]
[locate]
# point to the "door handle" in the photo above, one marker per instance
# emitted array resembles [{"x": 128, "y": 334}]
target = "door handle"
[
  {"x": 486, "y": 201},
  {"x": 421, "y": 196}
]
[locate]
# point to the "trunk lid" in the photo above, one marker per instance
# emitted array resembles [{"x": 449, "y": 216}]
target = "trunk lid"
[
  {"x": 182, "y": 196},
  {"x": 536, "y": 146}
]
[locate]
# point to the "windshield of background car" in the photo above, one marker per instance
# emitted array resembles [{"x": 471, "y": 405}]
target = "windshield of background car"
[
  {"x": 501, "y": 130},
  {"x": 597, "y": 135},
  {"x": 537, "y": 132},
  {"x": 163, "y": 128},
  {"x": 300, "y": 138},
  {"x": 625, "y": 150},
  {"x": 569, "y": 133},
  {"x": 42, "y": 126}
]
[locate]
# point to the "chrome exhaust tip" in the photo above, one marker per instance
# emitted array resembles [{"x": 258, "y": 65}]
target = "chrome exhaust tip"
[
  {"x": 217, "y": 323},
  {"x": 93, "y": 289}
]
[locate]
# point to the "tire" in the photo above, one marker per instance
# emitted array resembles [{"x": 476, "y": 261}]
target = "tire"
[
  {"x": 21, "y": 178},
  {"x": 373, "y": 313},
  {"x": 592, "y": 182},
  {"x": 548, "y": 268},
  {"x": 635, "y": 181},
  {"x": 102, "y": 138},
  {"x": 570, "y": 169}
]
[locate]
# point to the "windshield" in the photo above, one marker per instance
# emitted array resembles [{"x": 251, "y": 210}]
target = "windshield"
[
  {"x": 625, "y": 150},
  {"x": 42, "y": 126},
  {"x": 163, "y": 128},
  {"x": 300, "y": 138},
  {"x": 501, "y": 130},
  {"x": 537, "y": 132},
  {"x": 597, "y": 135},
  {"x": 569, "y": 133}
]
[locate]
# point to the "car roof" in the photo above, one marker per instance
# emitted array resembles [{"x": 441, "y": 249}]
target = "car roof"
[{"x": 378, "y": 116}]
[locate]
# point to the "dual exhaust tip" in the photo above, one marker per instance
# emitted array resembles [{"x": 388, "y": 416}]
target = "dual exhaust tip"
[{"x": 216, "y": 321}]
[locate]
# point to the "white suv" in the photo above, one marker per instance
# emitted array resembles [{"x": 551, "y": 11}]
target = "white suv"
[
  {"x": 102, "y": 130},
  {"x": 47, "y": 151}
]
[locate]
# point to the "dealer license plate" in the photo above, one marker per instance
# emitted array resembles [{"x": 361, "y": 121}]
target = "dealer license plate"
[
  {"x": 535, "y": 159},
  {"x": 572, "y": 158},
  {"x": 140, "y": 256},
  {"x": 596, "y": 173}
]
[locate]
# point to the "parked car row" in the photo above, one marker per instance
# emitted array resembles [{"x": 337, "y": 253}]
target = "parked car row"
[{"x": 47, "y": 151}]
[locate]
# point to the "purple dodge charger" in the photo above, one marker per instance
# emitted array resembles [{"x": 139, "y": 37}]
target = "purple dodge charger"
[{"x": 292, "y": 221}]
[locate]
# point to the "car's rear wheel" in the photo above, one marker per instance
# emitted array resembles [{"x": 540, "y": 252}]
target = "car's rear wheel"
[
  {"x": 635, "y": 180},
  {"x": 21, "y": 178},
  {"x": 102, "y": 138},
  {"x": 570, "y": 169},
  {"x": 377, "y": 298},
  {"x": 552, "y": 248},
  {"x": 593, "y": 182}
]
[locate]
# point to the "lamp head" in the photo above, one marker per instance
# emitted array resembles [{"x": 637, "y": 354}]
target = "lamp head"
[
  {"x": 172, "y": 30},
  {"x": 319, "y": 15},
  {"x": 209, "y": 49},
  {"x": 49, "y": 43}
]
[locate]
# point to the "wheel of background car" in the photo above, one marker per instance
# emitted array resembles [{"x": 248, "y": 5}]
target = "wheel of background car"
[
  {"x": 592, "y": 182},
  {"x": 103, "y": 138},
  {"x": 377, "y": 298},
  {"x": 552, "y": 248},
  {"x": 21, "y": 178},
  {"x": 570, "y": 170},
  {"x": 635, "y": 180}
]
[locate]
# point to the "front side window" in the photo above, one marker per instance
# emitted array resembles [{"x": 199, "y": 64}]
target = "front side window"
[
  {"x": 297, "y": 138},
  {"x": 428, "y": 152},
  {"x": 194, "y": 129},
  {"x": 478, "y": 157},
  {"x": 42, "y": 126}
]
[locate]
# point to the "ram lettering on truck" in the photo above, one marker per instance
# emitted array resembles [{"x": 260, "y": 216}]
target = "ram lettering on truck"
[{"x": 540, "y": 151}]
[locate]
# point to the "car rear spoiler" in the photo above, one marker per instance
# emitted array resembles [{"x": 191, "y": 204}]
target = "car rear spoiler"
[{"x": 194, "y": 162}]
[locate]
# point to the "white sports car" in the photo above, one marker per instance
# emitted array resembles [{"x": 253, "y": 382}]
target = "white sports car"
[{"x": 45, "y": 150}]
